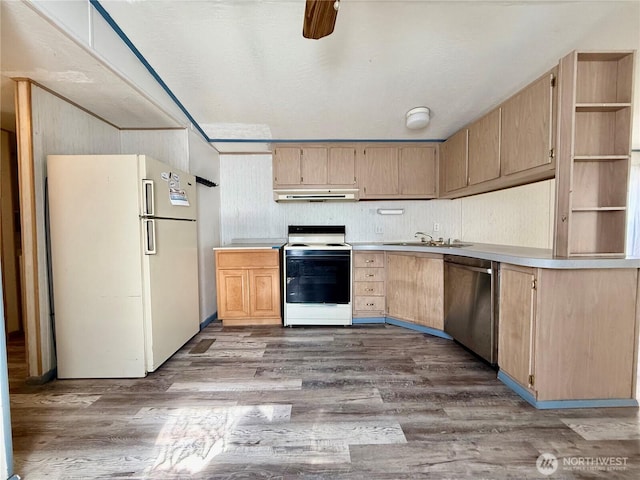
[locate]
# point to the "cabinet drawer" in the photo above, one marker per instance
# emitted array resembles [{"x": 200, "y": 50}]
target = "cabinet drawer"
[
  {"x": 368, "y": 260},
  {"x": 369, "y": 304},
  {"x": 247, "y": 258},
  {"x": 368, "y": 288},
  {"x": 369, "y": 274}
]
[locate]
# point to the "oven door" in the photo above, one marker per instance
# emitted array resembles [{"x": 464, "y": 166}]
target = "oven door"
[{"x": 318, "y": 276}]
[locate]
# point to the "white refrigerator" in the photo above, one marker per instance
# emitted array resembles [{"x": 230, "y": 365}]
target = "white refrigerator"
[{"x": 124, "y": 264}]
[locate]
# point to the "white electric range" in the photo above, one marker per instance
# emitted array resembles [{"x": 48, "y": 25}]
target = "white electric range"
[{"x": 317, "y": 271}]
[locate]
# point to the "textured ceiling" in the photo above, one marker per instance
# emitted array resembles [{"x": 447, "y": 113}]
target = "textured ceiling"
[{"x": 243, "y": 70}]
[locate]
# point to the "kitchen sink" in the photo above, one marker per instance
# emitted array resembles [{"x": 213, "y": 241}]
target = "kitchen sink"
[{"x": 429, "y": 244}]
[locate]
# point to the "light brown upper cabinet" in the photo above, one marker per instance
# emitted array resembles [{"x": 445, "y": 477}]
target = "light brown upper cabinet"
[
  {"x": 394, "y": 172},
  {"x": 527, "y": 136},
  {"x": 472, "y": 155},
  {"x": 286, "y": 166},
  {"x": 314, "y": 166},
  {"x": 418, "y": 172},
  {"x": 378, "y": 172},
  {"x": 511, "y": 145},
  {"x": 342, "y": 166},
  {"x": 595, "y": 149},
  {"x": 453, "y": 160},
  {"x": 484, "y": 148}
]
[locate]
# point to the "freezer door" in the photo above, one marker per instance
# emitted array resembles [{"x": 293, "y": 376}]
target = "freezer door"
[
  {"x": 171, "y": 288},
  {"x": 165, "y": 191}
]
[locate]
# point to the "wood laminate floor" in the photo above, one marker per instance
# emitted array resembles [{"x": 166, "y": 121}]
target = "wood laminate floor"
[{"x": 366, "y": 402}]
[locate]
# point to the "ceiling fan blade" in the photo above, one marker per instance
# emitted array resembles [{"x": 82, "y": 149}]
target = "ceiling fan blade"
[{"x": 319, "y": 18}]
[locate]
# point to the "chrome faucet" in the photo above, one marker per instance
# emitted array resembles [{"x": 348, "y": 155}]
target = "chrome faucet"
[{"x": 424, "y": 236}]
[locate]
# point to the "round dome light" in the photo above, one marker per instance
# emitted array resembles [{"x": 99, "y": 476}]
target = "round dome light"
[{"x": 417, "y": 118}]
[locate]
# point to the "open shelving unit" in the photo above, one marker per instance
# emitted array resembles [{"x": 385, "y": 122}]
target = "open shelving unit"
[{"x": 594, "y": 155}]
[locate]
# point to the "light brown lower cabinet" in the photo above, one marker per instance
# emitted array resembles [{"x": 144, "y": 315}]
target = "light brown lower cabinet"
[
  {"x": 248, "y": 287},
  {"x": 569, "y": 334},
  {"x": 368, "y": 284},
  {"x": 415, "y": 288}
]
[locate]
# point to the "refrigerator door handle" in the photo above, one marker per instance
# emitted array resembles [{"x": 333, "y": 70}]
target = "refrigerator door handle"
[
  {"x": 150, "y": 237},
  {"x": 149, "y": 197}
]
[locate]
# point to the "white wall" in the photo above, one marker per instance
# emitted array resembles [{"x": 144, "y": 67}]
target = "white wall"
[
  {"x": 248, "y": 209},
  {"x": 58, "y": 128},
  {"x": 519, "y": 216},
  {"x": 168, "y": 146},
  {"x": 205, "y": 162}
]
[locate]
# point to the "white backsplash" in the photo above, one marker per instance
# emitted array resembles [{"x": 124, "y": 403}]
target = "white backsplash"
[
  {"x": 507, "y": 217},
  {"x": 521, "y": 216}
]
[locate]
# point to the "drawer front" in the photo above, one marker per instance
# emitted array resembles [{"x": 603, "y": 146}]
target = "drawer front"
[
  {"x": 247, "y": 258},
  {"x": 369, "y": 274},
  {"x": 368, "y": 260},
  {"x": 373, "y": 304},
  {"x": 368, "y": 288}
]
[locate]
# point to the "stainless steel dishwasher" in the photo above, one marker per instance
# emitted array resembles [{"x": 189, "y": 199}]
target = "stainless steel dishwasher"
[{"x": 471, "y": 305}]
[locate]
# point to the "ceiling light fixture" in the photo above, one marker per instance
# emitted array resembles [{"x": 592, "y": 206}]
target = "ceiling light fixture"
[{"x": 418, "y": 118}]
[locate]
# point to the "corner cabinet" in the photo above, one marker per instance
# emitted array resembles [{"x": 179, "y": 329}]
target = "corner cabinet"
[
  {"x": 568, "y": 334},
  {"x": 398, "y": 172},
  {"x": 248, "y": 286},
  {"x": 415, "y": 288},
  {"x": 472, "y": 155},
  {"x": 594, "y": 157},
  {"x": 454, "y": 155}
]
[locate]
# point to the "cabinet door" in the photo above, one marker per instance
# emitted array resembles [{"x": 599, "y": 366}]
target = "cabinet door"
[
  {"x": 527, "y": 127},
  {"x": 286, "y": 166},
  {"x": 516, "y": 324},
  {"x": 233, "y": 294},
  {"x": 313, "y": 166},
  {"x": 342, "y": 166},
  {"x": 415, "y": 289},
  {"x": 417, "y": 171},
  {"x": 378, "y": 172},
  {"x": 586, "y": 333},
  {"x": 484, "y": 148},
  {"x": 264, "y": 287},
  {"x": 453, "y": 161}
]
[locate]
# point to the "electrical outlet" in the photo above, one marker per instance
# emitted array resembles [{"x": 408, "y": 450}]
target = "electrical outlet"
[
  {"x": 379, "y": 229},
  {"x": 436, "y": 227}
]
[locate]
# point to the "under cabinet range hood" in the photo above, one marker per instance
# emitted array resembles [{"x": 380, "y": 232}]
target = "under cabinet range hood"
[{"x": 316, "y": 195}]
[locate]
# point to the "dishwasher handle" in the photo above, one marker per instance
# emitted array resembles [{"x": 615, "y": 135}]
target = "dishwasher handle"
[{"x": 473, "y": 269}]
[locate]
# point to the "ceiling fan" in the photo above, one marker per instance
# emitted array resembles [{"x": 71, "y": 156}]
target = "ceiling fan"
[{"x": 319, "y": 18}]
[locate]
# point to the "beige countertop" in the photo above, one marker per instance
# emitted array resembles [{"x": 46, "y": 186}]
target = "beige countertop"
[
  {"x": 253, "y": 244},
  {"x": 524, "y": 256},
  {"x": 248, "y": 246}
]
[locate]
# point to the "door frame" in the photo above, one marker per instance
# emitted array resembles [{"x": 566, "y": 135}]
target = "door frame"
[{"x": 26, "y": 182}]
